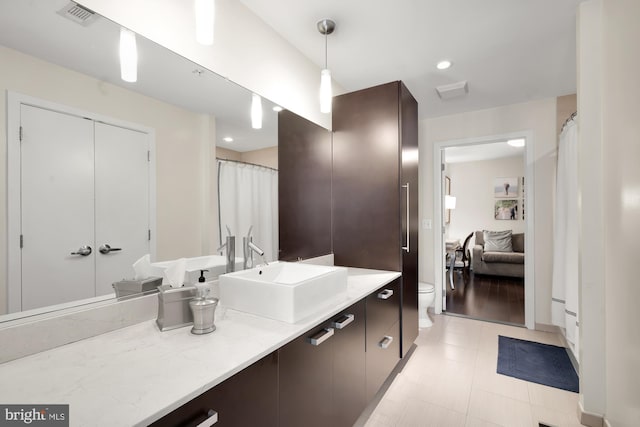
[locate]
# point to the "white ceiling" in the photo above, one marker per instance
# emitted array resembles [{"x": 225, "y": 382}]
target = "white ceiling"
[
  {"x": 33, "y": 27},
  {"x": 509, "y": 51}
]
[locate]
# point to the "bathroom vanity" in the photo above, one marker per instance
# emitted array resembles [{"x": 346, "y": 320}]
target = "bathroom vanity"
[{"x": 250, "y": 366}]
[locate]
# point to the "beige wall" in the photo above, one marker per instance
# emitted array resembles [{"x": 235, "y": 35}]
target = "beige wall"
[
  {"x": 265, "y": 157},
  {"x": 609, "y": 149},
  {"x": 246, "y": 50},
  {"x": 185, "y": 143},
  {"x": 540, "y": 118},
  {"x": 565, "y": 106},
  {"x": 472, "y": 185}
]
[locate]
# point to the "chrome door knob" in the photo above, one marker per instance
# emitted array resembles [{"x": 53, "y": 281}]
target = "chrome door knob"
[
  {"x": 84, "y": 251},
  {"x": 105, "y": 249}
]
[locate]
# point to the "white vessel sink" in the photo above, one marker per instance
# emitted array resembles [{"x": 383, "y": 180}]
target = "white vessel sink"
[{"x": 282, "y": 290}]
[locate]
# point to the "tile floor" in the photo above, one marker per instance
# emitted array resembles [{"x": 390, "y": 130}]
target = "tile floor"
[{"x": 451, "y": 380}]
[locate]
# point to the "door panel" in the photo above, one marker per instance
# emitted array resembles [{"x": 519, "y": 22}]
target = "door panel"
[
  {"x": 57, "y": 211},
  {"x": 122, "y": 202}
]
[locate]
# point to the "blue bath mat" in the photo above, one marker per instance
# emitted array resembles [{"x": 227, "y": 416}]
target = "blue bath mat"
[{"x": 535, "y": 362}]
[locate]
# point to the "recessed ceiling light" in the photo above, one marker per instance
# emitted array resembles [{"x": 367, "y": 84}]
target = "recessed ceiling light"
[
  {"x": 277, "y": 108},
  {"x": 443, "y": 65},
  {"x": 520, "y": 142},
  {"x": 227, "y": 139}
]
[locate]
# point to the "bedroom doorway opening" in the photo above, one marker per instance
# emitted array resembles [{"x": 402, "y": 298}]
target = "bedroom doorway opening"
[{"x": 482, "y": 197}]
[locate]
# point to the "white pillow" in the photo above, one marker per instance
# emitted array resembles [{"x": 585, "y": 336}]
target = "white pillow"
[{"x": 497, "y": 241}]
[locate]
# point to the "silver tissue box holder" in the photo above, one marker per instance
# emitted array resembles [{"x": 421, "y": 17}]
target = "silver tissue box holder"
[
  {"x": 173, "y": 307},
  {"x": 128, "y": 288}
]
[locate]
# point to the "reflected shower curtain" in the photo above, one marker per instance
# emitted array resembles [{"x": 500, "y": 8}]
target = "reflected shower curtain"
[
  {"x": 248, "y": 196},
  {"x": 564, "y": 305}
]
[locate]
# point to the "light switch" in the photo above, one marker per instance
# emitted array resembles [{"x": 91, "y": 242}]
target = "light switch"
[{"x": 426, "y": 224}]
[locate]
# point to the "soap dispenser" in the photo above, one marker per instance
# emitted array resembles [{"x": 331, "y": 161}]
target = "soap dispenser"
[{"x": 203, "y": 308}]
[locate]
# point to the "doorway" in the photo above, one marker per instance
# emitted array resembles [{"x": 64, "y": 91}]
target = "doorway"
[
  {"x": 484, "y": 184},
  {"x": 79, "y": 201}
]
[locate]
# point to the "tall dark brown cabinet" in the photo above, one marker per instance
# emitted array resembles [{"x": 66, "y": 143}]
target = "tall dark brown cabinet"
[
  {"x": 304, "y": 188},
  {"x": 375, "y": 189}
]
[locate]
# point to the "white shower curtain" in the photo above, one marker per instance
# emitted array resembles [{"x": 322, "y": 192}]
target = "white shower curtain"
[
  {"x": 248, "y": 196},
  {"x": 564, "y": 305}
]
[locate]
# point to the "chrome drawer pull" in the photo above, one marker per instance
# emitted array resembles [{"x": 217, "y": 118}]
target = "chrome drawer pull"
[
  {"x": 321, "y": 336},
  {"x": 213, "y": 419},
  {"x": 386, "y": 342},
  {"x": 386, "y": 294},
  {"x": 343, "y": 321}
]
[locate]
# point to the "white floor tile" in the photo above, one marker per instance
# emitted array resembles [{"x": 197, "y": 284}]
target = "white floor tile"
[
  {"x": 500, "y": 410},
  {"x": 451, "y": 380}
]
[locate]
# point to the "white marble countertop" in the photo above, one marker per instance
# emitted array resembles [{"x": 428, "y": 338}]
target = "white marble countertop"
[{"x": 136, "y": 375}]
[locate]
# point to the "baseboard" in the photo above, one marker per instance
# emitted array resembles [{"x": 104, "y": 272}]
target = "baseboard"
[
  {"x": 547, "y": 328},
  {"x": 589, "y": 419}
]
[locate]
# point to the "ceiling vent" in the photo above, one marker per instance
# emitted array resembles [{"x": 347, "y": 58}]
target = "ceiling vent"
[
  {"x": 453, "y": 90},
  {"x": 78, "y": 14}
]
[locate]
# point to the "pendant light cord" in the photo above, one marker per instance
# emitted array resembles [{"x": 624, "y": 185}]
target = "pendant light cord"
[{"x": 325, "y": 46}]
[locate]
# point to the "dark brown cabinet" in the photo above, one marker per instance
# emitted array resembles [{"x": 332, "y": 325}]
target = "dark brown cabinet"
[
  {"x": 322, "y": 373},
  {"x": 375, "y": 189},
  {"x": 383, "y": 340},
  {"x": 304, "y": 188},
  {"x": 249, "y": 398}
]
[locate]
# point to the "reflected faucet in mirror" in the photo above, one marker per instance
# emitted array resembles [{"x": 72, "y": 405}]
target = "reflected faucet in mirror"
[{"x": 230, "y": 251}]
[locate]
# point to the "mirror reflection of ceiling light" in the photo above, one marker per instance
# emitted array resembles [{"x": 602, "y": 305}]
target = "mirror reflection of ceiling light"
[
  {"x": 519, "y": 142},
  {"x": 277, "y": 108},
  {"x": 256, "y": 111},
  {"x": 205, "y": 11},
  {"x": 128, "y": 56},
  {"x": 443, "y": 65},
  {"x": 325, "y": 27},
  {"x": 227, "y": 139}
]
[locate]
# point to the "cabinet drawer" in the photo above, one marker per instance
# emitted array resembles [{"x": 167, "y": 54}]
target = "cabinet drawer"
[
  {"x": 383, "y": 353},
  {"x": 255, "y": 387},
  {"x": 383, "y": 309}
]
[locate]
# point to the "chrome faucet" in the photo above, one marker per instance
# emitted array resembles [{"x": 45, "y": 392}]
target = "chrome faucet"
[
  {"x": 249, "y": 248},
  {"x": 230, "y": 252}
]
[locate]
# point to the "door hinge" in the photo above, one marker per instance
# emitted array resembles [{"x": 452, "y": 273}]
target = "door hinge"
[
  {"x": 149, "y": 234},
  {"x": 148, "y": 155},
  {"x": 442, "y": 167},
  {"x": 21, "y": 241},
  {"x": 20, "y": 134},
  {"x": 443, "y": 230}
]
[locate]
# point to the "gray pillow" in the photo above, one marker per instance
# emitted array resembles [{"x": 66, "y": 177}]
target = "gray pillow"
[{"x": 497, "y": 241}]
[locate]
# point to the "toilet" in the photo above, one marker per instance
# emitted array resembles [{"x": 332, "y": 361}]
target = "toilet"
[{"x": 426, "y": 297}]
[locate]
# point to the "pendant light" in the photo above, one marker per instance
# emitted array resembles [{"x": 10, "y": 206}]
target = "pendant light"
[
  {"x": 256, "y": 111},
  {"x": 205, "y": 11},
  {"x": 325, "y": 27},
  {"x": 128, "y": 56}
]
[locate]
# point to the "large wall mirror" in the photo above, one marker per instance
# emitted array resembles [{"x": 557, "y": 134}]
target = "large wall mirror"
[{"x": 193, "y": 135}]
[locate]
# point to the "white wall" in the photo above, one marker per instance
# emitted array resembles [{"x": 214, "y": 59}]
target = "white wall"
[
  {"x": 610, "y": 145},
  {"x": 537, "y": 116},
  {"x": 245, "y": 50},
  {"x": 185, "y": 143},
  {"x": 472, "y": 185}
]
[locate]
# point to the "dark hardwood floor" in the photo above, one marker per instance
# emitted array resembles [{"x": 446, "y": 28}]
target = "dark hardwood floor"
[{"x": 499, "y": 299}]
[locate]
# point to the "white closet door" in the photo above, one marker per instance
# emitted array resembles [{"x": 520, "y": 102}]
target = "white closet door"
[
  {"x": 57, "y": 207},
  {"x": 122, "y": 202}
]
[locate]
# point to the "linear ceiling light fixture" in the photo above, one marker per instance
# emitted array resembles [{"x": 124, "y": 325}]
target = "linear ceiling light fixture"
[
  {"x": 326, "y": 27},
  {"x": 128, "y": 56},
  {"x": 519, "y": 142},
  {"x": 256, "y": 111},
  {"x": 205, "y": 17}
]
